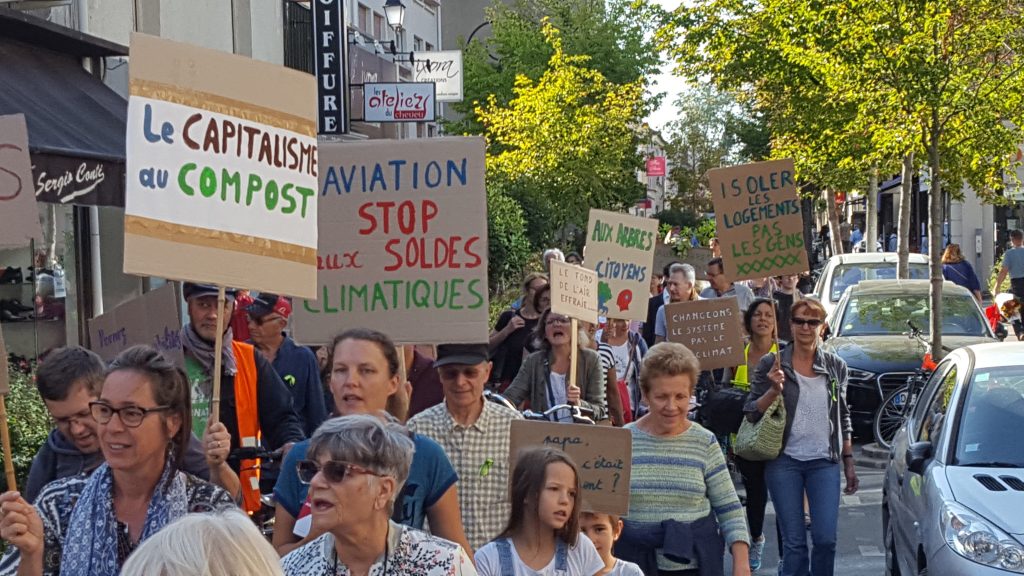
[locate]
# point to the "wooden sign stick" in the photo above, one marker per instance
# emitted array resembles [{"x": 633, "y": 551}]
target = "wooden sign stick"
[
  {"x": 218, "y": 349},
  {"x": 574, "y": 354},
  {"x": 5, "y": 437}
]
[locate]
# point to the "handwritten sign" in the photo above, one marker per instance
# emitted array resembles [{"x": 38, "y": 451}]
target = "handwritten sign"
[
  {"x": 399, "y": 102},
  {"x": 150, "y": 319},
  {"x": 602, "y": 454},
  {"x": 759, "y": 220},
  {"x": 620, "y": 248},
  {"x": 403, "y": 242},
  {"x": 444, "y": 69},
  {"x": 221, "y": 169},
  {"x": 574, "y": 291},
  {"x": 711, "y": 329},
  {"x": 19, "y": 216}
]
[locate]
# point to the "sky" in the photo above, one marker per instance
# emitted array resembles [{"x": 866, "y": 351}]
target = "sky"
[{"x": 666, "y": 82}]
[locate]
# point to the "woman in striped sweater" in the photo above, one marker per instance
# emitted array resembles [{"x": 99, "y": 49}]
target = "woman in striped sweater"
[{"x": 683, "y": 509}]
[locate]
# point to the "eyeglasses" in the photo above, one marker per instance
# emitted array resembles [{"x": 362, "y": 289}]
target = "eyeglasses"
[
  {"x": 451, "y": 373},
  {"x": 556, "y": 321},
  {"x": 65, "y": 421},
  {"x": 334, "y": 470},
  {"x": 812, "y": 322},
  {"x": 131, "y": 416},
  {"x": 261, "y": 320}
]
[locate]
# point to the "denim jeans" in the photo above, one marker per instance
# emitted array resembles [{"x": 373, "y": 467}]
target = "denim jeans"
[{"x": 787, "y": 481}]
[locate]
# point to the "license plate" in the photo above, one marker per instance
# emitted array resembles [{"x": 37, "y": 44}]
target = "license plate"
[{"x": 900, "y": 399}]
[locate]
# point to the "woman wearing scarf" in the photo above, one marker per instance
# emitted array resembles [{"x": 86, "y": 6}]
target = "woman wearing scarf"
[{"x": 83, "y": 526}]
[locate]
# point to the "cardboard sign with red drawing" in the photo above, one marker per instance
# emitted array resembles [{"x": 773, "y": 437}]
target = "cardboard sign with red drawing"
[
  {"x": 19, "y": 216},
  {"x": 620, "y": 248}
]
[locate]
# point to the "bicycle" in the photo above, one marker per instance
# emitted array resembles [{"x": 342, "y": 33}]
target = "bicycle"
[
  {"x": 897, "y": 404},
  {"x": 579, "y": 415},
  {"x": 264, "y": 517}
]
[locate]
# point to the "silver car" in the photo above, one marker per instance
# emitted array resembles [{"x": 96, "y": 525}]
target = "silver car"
[{"x": 953, "y": 497}]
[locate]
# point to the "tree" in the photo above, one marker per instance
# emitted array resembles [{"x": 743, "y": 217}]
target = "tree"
[{"x": 564, "y": 143}]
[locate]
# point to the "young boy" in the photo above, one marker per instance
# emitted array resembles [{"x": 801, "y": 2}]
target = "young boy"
[{"x": 603, "y": 530}]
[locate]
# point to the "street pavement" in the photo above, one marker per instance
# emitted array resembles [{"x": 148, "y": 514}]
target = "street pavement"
[{"x": 859, "y": 550}]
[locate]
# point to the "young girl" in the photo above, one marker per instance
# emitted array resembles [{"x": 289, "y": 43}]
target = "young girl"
[
  {"x": 603, "y": 530},
  {"x": 543, "y": 536}
]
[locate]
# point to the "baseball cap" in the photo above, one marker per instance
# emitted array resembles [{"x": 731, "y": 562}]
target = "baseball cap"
[
  {"x": 267, "y": 303},
  {"x": 467, "y": 354},
  {"x": 191, "y": 290}
]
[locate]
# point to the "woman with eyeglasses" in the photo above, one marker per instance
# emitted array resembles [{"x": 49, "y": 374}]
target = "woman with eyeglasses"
[
  {"x": 364, "y": 377},
  {"x": 816, "y": 442},
  {"x": 89, "y": 525},
  {"x": 544, "y": 380},
  {"x": 355, "y": 469}
]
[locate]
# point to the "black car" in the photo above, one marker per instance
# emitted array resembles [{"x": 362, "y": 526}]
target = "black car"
[{"x": 868, "y": 329}]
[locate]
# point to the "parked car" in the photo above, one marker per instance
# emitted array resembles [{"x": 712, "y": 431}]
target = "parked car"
[
  {"x": 954, "y": 488},
  {"x": 868, "y": 329},
  {"x": 845, "y": 270},
  {"x": 862, "y": 246}
]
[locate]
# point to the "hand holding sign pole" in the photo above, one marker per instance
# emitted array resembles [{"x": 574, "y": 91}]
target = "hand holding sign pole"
[{"x": 573, "y": 294}]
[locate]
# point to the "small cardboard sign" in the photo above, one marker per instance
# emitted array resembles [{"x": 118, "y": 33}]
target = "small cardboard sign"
[
  {"x": 602, "y": 454},
  {"x": 758, "y": 219},
  {"x": 150, "y": 319},
  {"x": 711, "y": 329},
  {"x": 574, "y": 291},
  {"x": 19, "y": 216},
  {"x": 5, "y": 377},
  {"x": 620, "y": 248}
]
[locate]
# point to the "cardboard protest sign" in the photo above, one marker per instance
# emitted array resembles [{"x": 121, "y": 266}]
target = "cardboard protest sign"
[
  {"x": 574, "y": 291},
  {"x": 603, "y": 455},
  {"x": 19, "y": 217},
  {"x": 5, "y": 377},
  {"x": 759, "y": 221},
  {"x": 149, "y": 319},
  {"x": 620, "y": 248},
  {"x": 711, "y": 329},
  {"x": 221, "y": 169},
  {"x": 403, "y": 242}
]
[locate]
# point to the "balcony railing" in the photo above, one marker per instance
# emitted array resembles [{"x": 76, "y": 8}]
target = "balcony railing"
[{"x": 298, "y": 36}]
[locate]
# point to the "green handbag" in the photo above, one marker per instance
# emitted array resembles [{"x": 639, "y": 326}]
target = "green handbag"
[{"x": 762, "y": 440}]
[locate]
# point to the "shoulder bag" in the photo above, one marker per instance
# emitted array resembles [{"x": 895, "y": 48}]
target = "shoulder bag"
[{"x": 762, "y": 440}]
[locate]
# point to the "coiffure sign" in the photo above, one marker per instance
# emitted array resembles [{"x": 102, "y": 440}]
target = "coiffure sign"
[{"x": 399, "y": 102}]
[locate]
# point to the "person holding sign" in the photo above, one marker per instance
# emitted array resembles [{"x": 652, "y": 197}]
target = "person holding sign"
[
  {"x": 683, "y": 509},
  {"x": 681, "y": 287},
  {"x": 817, "y": 438},
  {"x": 88, "y": 526},
  {"x": 544, "y": 377}
]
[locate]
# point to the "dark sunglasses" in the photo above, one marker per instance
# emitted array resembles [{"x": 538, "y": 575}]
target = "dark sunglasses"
[
  {"x": 261, "y": 320},
  {"x": 812, "y": 322},
  {"x": 451, "y": 373},
  {"x": 334, "y": 470}
]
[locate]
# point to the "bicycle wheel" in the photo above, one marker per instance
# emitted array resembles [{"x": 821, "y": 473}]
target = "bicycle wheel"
[{"x": 889, "y": 416}]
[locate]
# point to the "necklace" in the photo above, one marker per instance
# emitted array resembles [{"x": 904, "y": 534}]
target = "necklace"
[{"x": 384, "y": 572}]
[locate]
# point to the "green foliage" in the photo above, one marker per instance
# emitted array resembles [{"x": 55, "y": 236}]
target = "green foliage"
[
  {"x": 28, "y": 422},
  {"x": 508, "y": 246},
  {"x": 565, "y": 143},
  {"x": 993, "y": 275},
  {"x": 676, "y": 217}
]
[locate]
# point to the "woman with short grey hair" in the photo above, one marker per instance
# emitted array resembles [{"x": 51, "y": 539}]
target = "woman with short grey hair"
[{"x": 355, "y": 470}]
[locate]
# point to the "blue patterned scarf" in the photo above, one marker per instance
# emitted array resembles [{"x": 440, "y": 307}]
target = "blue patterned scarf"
[{"x": 90, "y": 547}]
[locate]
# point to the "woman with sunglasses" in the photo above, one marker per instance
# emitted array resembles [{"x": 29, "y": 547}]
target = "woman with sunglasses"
[
  {"x": 816, "y": 441},
  {"x": 355, "y": 469},
  {"x": 89, "y": 525},
  {"x": 543, "y": 378},
  {"x": 363, "y": 380}
]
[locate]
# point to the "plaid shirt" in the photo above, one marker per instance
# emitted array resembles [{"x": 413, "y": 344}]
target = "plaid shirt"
[{"x": 480, "y": 454}]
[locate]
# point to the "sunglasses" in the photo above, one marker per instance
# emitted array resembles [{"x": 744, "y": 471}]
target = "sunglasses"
[
  {"x": 334, "y": 470},
  {"x": 557, "y": 321},
  {"x": 261, "y": 320},
  {"x": 451, "y": 373},
  {"x": 812, "y": 322}
]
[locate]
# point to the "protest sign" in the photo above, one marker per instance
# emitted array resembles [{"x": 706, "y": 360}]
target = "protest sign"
[
  {"x": 602, "y": 453},
  {"x": 573, "y": 291},
  {"x": 221, "y": 169},
  {"x": 403, "y": 242},
  {"x": 19, "y": 217},
  {"x": 620, "y": 248},
  {"x": 711, "y": 329},
  {"x": 150, "y": 319},
  {"x": 444, "y": 69},
  {"x": 758, "y": 218}
]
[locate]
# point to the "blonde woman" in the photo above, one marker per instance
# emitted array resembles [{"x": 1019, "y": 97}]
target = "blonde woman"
[{"x": 959, "y": 271}]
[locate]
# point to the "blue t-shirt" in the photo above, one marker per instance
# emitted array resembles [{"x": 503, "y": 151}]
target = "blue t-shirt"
[
  {"x": 1014, "y": 262},
  {"x": 298, "y": 368},
  {"x": 430, "y": 476}
]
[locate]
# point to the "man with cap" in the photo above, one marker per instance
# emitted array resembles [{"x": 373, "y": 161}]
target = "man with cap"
[
  {"x": 255, "y": 404},
  {"x": 296, "y": 365},
  {"x": 475, "y": 435}
]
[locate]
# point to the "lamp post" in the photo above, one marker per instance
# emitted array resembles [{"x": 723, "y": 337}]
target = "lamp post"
[{"x": 394, "y": 11}]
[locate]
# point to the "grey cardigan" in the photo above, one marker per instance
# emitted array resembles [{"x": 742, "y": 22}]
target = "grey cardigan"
[
  {"x": 534, "y": 377},
  {"x": 826, "y": 364}
]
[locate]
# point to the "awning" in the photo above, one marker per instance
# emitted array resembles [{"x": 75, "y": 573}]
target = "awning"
[{"x": 76, "y": 124}]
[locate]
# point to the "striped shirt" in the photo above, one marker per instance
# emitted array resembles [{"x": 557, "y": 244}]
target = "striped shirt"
[{"x": 683, "y": 478}]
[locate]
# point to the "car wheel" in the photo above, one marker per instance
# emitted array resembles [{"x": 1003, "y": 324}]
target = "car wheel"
[{"x": 892, "y": 565}]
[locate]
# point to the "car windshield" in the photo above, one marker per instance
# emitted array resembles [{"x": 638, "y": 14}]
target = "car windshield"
[
  {"x": 993, "y": 407},
  {"x": 846, "y": 275},
  {"x": 880, "y": 314}
]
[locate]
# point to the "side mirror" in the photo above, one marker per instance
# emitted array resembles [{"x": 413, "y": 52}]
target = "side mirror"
[{"x": 917, "y": 454}]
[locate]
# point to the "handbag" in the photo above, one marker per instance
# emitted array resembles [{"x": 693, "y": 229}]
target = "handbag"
[
  {"x": 762, "y": 440},
  {"x": 722, "y": 411}
]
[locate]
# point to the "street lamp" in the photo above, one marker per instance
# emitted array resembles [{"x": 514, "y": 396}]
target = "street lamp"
[{"x": 394, "y": 11}]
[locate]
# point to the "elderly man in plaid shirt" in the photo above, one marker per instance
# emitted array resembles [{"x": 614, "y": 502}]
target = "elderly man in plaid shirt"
[{"x": 475, "y": 434}]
